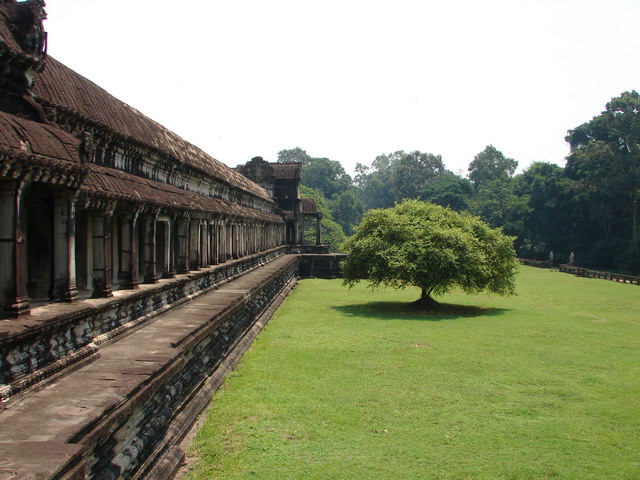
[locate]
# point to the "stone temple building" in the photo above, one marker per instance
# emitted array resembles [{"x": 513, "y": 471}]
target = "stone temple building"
[{"x": 108, "y": 223}]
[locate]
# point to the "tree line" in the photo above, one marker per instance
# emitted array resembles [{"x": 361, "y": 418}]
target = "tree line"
[{"x": 588, "y": 207}]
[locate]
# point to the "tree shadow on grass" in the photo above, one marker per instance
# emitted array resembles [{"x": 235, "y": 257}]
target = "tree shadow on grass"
[{"x": 412, "y": 311}]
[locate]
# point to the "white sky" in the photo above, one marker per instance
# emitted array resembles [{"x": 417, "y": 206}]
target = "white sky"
[{"x": 352, "y": 79}]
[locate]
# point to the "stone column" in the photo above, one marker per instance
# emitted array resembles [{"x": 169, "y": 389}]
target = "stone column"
[
  {"x": 318, "y": 229},
  {"x": 241, "y": 239},
  {"x": 242, "y": 235},
  {"x": 102, "y": 254},
  {"x": 213, "y": 243},
  {"x": 171, "y": 268},
  {"x": 204, "y": 244},
  {"x": 221, "y": 253},
  {"x": 13, "y": 249},
  {"x": 229, "y": 241},
  {"x": 64, "y": 245},
  {"x": 149, "y": 255},
  {"x": 234, "y": 240},
  {"x": 248, "y": 247},
  {"x": 223, "y": 241},
  {"x": 265, "y": 233},
  {"x": 182, "y": 245},
  {"x": 219, "y": 257},
  {"x": 194, "y": 241}
]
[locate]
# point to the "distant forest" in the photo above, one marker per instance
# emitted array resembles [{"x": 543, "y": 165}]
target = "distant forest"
[{"x": 589, "y": 206}]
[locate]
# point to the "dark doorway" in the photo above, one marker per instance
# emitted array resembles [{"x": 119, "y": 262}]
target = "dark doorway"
[{"x": 39, "y": 216}]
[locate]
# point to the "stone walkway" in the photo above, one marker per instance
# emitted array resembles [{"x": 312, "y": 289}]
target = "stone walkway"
[{"x": 49, "y": 428}]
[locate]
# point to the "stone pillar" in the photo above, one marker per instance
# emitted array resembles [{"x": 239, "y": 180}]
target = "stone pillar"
[
  {"x": 234, "y": 240},
  {"x": 182, "y": 245},
  {"x": 102, "y": 254},
  {"x": 213, "y": 243},
  {"x": 171, "y": 268},
  {"x": 223, "y": 241},
  {"x": 194, "y": 242},
  {"x": 248, "y": 243},
  {"x": 219, "y": 258},
  {"x": 318, "y": 230},
  {"x": 128, "y": 274},
  {"x": 149, "y": 254},
  {"x": 204, "y": 244},
  {"x": 241, "y": 240},
  {"x": 240, "y": 236},
  {"x": 221, "y": 254},
  {"x": 13, "y": 249},
  {"x": 64, "y": 246},
  {"x": 265, "y": 233}
]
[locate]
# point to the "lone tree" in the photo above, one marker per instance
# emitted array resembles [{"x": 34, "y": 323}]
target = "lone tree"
[{"x": 431, "y": 247}]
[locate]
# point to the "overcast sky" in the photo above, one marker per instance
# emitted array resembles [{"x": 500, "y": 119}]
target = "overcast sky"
[{"x": 352, "y": 79}]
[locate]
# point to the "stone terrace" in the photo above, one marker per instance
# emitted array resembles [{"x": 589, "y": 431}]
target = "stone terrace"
[{"x": 121, "y": 414}]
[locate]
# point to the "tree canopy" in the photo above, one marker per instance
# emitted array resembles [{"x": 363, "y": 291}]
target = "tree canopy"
[
  {"x": 326, "y": 175},
  {"x": 604, "y": 163},
  {"x": 431, "y": 247},
  {"x": 589, "y": 207},
  {"x": 396, "y": 176},
  {"x": 448, "y": 190},
  {"x": 490, "y": 165},
  {"x": 293, "y": 155}
]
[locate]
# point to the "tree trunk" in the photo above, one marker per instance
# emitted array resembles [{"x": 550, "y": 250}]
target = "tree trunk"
[{"x": 425, "y": 300}]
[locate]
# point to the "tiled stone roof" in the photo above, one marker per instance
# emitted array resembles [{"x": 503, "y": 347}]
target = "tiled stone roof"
[
  {"x": 60, "y": 86},
  {"x": 6, "y": 35},
  {"x": 30, "y": 145},
  {"x": 24, "y": 136},
  {"x": 115, "y": 184},
  {"x": 309, "y": 206}
]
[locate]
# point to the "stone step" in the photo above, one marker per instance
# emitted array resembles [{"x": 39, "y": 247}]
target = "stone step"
[{"x": 108, "y": 413}]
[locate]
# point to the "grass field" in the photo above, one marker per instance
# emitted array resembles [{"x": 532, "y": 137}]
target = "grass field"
[{"x": 350, "y": 384}]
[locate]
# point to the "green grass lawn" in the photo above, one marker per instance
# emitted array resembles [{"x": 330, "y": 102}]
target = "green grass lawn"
[{"x": 352, "y": 384}]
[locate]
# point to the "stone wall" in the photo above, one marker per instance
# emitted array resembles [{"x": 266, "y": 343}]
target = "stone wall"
[{"x": 321, "y": 266}]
